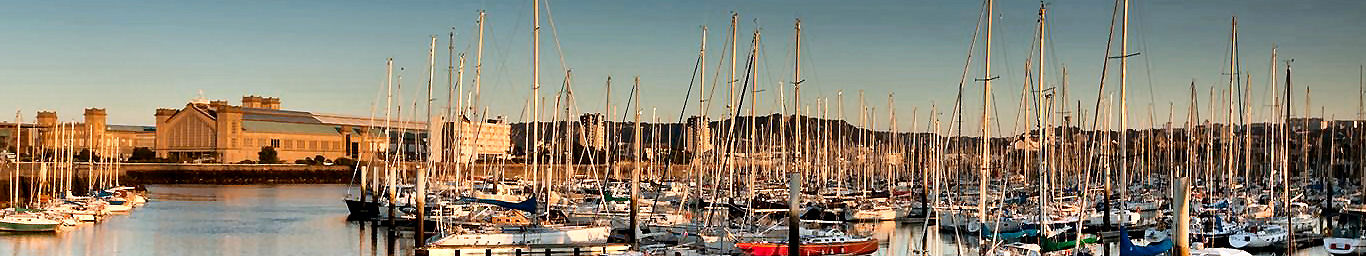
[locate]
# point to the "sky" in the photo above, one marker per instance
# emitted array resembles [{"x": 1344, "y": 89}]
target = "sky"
[{"x": 132, "y": 57}]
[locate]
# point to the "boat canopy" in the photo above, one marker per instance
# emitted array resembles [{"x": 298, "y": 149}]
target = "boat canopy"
[{"x": 528, "y": 205}]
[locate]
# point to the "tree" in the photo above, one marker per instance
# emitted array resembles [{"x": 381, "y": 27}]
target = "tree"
[
  {"x": 345, "y": 161},
  {"x": 142, "y": 154},
  {"x": 319, "y": 159},
  {"x": 83, "y": 155},
  {"x": 268, "y": 155}
]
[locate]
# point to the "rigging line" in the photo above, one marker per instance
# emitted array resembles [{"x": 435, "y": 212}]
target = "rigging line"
[
  {"x": 1100, "y": 92},
  {"x": 716, "y": 74},
  {"x": 958, "y": 102},
  {"x": 499, "y": 79},
  {"x": 555, "y": 35}
]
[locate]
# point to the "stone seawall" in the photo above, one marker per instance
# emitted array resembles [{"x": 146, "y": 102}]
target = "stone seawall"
[
  {"x": 235, "y": 174},
  {"x": 227, "y": 174}
]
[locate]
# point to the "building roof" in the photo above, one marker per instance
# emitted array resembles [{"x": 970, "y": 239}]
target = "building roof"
[
  {"x": 296, "y": 128},
  {"x": 130, "y": 128}
]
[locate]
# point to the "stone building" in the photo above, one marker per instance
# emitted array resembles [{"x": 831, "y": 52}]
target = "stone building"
[
  {"x": 218, "y": 132},
  {"x": 93, "y": 133}
]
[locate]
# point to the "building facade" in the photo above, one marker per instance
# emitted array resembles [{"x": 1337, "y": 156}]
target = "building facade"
[
  {"x": 216, "y": 131},
  {"x": 467, "y": 141},
  {"x": 94, "y": 133}
]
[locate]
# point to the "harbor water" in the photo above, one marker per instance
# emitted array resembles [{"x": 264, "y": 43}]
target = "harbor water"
[{"x": 312, "y": 220}]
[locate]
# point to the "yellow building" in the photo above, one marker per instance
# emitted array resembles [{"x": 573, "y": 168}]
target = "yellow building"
[
  {"x": 218, "y": 132},
  {"x": 46, "y": 133},
  {"x": 486, "y": 140}
]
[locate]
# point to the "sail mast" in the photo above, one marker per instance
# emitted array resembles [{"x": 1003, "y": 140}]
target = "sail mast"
[
  {"x": 534, "y": 145},
  {"x": 421, "y": 199},
  {"x": 985, "y": 167},
  {"x": 1228, "y": 127},
  {"x": 794, "y": 174}
]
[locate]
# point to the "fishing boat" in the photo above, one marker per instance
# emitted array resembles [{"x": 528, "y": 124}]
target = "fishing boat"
[
  {"x": 27, "y": 220},
  {"x": 830, "y": 242}
]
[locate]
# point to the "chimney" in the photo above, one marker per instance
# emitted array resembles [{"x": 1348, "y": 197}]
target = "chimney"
[
  {"x": 251, "y": 102},
  {"x": 218, "y": 104},
  {"x": 270, "y": 103}
]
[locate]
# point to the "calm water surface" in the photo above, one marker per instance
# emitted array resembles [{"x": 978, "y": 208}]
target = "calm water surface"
[
  {"x": 221, "y": 220},
  {"x": 307, "y": 220}
]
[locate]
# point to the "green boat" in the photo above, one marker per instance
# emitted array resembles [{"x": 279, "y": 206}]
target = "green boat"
[
  {"x": 1067, "y": 242},
  {"x": 27, "y": 220}
]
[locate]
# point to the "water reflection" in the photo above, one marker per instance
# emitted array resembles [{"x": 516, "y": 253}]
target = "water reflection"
[{"x": 222, "y": 220}]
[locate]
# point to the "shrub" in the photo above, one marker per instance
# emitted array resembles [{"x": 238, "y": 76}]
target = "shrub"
[{"x": 268, "y": 155}]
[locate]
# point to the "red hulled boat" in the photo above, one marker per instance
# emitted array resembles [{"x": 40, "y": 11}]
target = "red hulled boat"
[{"x": 820, "y": 245}]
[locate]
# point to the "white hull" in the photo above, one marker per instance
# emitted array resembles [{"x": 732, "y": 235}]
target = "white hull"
[
  {"x": 875, "y": 214},
  {"x": 1219, "y": 252},
  {"x": 1343, "y": 246},
  {"x": 1117, "y": 217},
  {"x": 1266, "y": 236},
  {"x": 549, "y": 236}
]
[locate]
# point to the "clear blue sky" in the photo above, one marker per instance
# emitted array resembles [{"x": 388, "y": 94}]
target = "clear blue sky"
[{"x": 328, "y": 56}]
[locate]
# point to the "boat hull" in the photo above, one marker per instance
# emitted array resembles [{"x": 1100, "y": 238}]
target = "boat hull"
[
  {"x": 28, "y": 227},
  {"x": 362, "y": 208},
  {"x": 1343, "y": 246},
  {"x": 821, "y": 249},
  {"x": 591, "y": 235}
]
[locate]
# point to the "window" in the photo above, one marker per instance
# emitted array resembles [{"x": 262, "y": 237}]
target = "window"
[{"x": 274, "y": 143}]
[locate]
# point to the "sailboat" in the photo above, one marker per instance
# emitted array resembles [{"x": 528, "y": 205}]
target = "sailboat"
[
  {"x": 831, "y": 242},
  {"x": 1158, "y": 243},
  {"x": 536, "y": 233},
  {"x": 27, "y": 220},
  {"x": 1347, "y": 236}
]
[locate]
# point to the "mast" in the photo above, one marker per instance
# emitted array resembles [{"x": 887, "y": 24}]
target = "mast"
[
  {"x": 456, "y": 122},
  {"x": 388, "y": 105},
  {"x": 1285, "y": 174},
  {"x": 794, "y": 240},
  {"x": 1123, "y": 109},
  {"x": 1043, "y": 125},
  {"x": 985, "y": 167},
  {"x": 635, "y": 171},
  {"x": 421, "y": 200},
  {"x": 18, "y": 148},
  {"x": 797, "y": 94},
  {"x": 478, "y": 60},
  {"x": 534, "y": 147},
  {"x": 1228, "y": 128},
  {"x": 702, "y": 123}
]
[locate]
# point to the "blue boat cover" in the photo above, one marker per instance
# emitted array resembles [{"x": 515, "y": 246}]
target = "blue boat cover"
[{"x": 1127, "y": 247}]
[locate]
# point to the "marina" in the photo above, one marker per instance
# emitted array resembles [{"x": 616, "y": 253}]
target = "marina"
[{"x": 750, "y": 157}]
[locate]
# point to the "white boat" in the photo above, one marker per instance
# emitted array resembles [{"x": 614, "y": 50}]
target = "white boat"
[
  {"x": 1117, "y": 217},
  {"x": 878, "y": 213},
  {"x": 529, "y": 236},
  {"x": 1219, "y": 252},
  {"x": 27, "y": 222},
  {"x": 1347, "y": 237},
  {"x": 1259, "y": 236}
]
